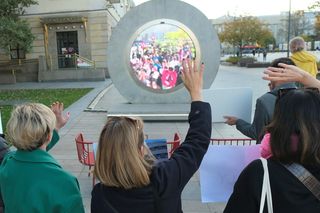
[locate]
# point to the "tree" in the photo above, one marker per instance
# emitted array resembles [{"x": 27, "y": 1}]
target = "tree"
[
  {"x": 173, "y": 40},
  {"x": 15, "y": 32},
  {"x": 317, "y": 27},
  {"x": 315, "y": 5},
  {"x": 245, "y": 30},
  {"x": 266, "y": 38}
]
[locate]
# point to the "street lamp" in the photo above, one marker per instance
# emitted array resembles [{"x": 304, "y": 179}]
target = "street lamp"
[{"x": 289, "y": 23}]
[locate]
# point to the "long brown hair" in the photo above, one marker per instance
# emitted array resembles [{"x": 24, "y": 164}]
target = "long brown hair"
[
  {"x": 296, "y": 114},
  {"x": 120, "y": 162}
]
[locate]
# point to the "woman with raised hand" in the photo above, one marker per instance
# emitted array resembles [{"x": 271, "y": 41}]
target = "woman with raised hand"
[
  {"x": 130, "y": 179},
  {"x": 294, "y": 163},
  {"x": 31, "y": 180}
]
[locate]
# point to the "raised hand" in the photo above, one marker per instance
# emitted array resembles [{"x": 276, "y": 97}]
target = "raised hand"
[
  {"x": 287, "y": 73},
  {"x": 230, "y": 120},
  {"x": 61, "y": 120},
  {"x": 192, "y": 78},
  {"x": 290, "y": 73}
]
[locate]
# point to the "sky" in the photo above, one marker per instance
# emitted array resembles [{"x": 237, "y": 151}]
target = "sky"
[{"x": 215, "y": 9}]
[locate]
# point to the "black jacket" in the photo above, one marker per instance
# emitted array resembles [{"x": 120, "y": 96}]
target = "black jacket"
[
  {"x": 262, "y": 115},
  {"x": 288, "y": 193},
  {"x": 4, "y": 149},
  {"x": 168, "y": 177}
]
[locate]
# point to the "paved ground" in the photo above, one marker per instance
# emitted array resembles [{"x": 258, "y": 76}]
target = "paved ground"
[{"x": 91, "y": 122}]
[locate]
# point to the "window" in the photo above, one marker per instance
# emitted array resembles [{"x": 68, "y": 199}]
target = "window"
[{"x": 17, "y": 53}]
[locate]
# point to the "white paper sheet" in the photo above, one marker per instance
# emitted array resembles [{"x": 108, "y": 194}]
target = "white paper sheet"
[
  {"x": 221, "y": 167},
  {"x": 231, "y": 101}
]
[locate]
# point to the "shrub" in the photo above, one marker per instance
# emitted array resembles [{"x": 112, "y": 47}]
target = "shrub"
[{"x": 233, "y": 59}]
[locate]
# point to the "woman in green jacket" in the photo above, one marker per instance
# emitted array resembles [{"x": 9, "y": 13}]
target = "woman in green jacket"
[{"x": 31, "y": 180}]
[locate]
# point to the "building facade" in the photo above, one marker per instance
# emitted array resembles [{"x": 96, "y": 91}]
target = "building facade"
[{"x": 70, "y": 36}]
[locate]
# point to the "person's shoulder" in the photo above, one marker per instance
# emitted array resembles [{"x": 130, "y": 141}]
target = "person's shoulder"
[
  {"x": 7, "y": 156},
  {"x": 254, "y": 164},
  {"x": 96, "y": 187},
  {"x": 253, "y": 169},
  {"x": 98, "y": 190},
  {"x": 59, "y": 173},
  {"x": 266, "y": 98}
]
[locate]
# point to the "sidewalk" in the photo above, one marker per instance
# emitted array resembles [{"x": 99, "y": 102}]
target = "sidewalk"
[{"x": 90, "y": 124}]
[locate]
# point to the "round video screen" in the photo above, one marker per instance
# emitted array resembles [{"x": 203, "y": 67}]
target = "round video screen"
[{"x": 156, "y": 56}]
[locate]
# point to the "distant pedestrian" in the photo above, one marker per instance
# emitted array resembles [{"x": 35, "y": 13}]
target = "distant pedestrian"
[
  {"x": 254, "y": 52},
  {"x": 264, "y": 55},
  {"x": 301, "y": 57}
]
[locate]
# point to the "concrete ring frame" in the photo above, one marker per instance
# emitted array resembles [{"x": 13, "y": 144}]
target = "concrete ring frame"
[{"x": 148, "y": 14}]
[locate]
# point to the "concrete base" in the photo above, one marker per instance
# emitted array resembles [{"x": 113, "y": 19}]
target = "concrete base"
[
  {"x": 152, "y": 112},
  {"x": 73, "y": 75},
  {"x": 26, "y": 71},
  {"x": 7, "y": 77}
]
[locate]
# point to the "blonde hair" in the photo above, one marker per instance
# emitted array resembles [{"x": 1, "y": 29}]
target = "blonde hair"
[
  {"x": 297, "y": 44},
  {"x": 120, "y": 162},
  {"x": 29, "y": 125}
]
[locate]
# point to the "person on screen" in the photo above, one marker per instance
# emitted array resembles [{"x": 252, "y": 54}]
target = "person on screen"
[{"x": 169, "y": 78}]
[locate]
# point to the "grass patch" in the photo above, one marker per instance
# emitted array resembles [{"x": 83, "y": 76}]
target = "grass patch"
[{"x": 44, "y": 96}]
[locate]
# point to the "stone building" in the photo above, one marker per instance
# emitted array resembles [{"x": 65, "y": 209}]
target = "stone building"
[{"x": 70, "y": 43}]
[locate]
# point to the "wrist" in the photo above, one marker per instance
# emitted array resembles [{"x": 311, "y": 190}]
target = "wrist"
[
  {"x": 196, "y": 97},
  {"x": 304, "y": 78}
]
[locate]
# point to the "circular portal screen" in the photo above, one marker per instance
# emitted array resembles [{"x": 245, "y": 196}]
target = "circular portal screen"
[{"x": 156, "y": 56}]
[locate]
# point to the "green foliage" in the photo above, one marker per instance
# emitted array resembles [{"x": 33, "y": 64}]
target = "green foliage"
[
  {"x": 173, "y": 39},
  {"x": 45, "y": 96},
  {"x": 318, "y": 65},
  {"x": 14, "y": 8},
  {"x": 315, "y": 5},
  {"x": 15, "y": 32},
  {"x": 307, "y": 38},
  {"x": 233, "y": 59},
  {"x": 317, "y": 27},
  {"x": 245, "y": 30},
  {"x": 266, "y": 39}
]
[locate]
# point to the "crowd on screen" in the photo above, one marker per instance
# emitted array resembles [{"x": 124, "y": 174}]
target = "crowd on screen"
[{"x": 156, "y": 67}]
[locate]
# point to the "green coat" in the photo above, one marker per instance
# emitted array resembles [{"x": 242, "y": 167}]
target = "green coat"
[{"x": 33, "y": 181}]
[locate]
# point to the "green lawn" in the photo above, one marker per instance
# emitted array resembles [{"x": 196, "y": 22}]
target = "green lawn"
[{"x": 45, "y": 96}]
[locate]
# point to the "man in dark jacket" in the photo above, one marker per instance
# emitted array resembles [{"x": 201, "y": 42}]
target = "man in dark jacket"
[
  {"x": 3, "y": 148},
  {"x": 264, "y": 108}
]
